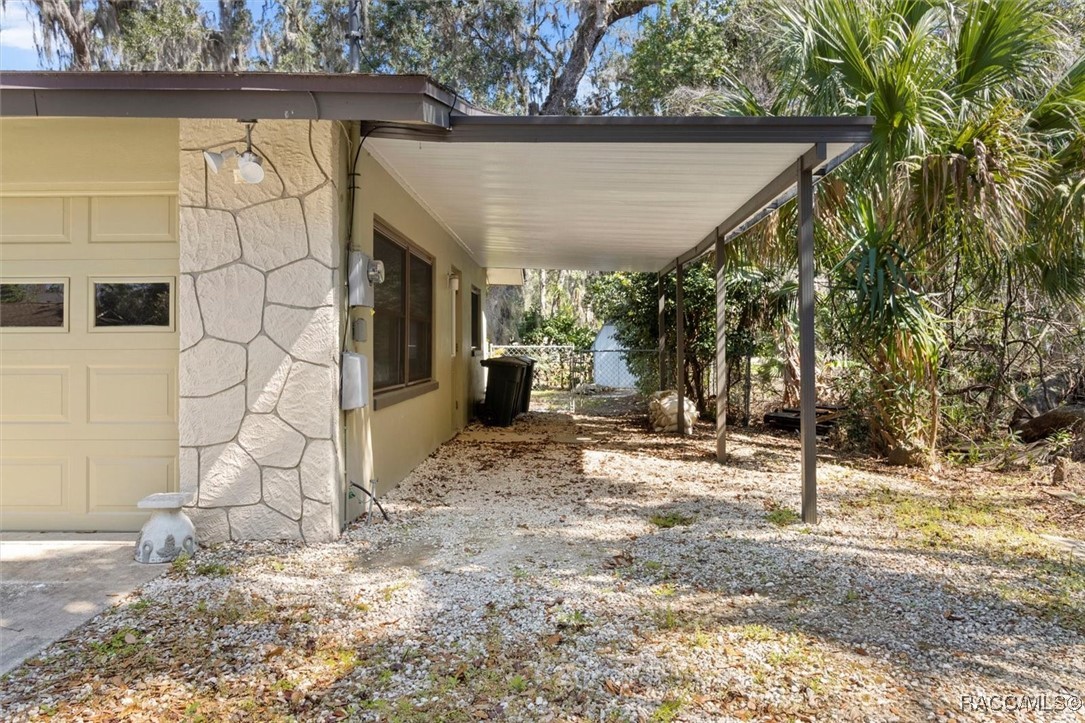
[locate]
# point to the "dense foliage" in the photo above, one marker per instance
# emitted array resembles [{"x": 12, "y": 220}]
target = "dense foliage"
[
  {"x": 951, "y": 251},
  {"x": 561, "y": 329}
]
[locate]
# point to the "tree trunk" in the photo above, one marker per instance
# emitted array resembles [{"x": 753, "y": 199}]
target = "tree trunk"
[
  {"x": 1072, "y": 417},
  {"x": 746, "y": 395},
  {"x": 595, "y": 17},
  {"x": 73, "y": 22}
]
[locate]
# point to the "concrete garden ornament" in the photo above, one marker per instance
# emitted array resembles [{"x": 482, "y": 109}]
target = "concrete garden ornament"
[{"x": 169, "y": 532}]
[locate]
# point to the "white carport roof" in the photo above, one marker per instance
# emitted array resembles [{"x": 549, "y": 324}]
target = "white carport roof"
[{"x": 627, "y": 194}]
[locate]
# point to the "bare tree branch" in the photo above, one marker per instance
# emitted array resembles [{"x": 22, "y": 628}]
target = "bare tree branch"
[{"x": 595, "y": 17}]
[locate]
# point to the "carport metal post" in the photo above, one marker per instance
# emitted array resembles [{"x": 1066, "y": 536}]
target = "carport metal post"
[
  {"x": 721, "y": 354},
  {"x": 662, "y": 344},
  {"x": 680, "y": 344},
  {"x": 807, "y": 388}
]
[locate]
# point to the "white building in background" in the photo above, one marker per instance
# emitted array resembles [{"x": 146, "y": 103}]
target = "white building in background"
[{"x": 608, "y": 362}]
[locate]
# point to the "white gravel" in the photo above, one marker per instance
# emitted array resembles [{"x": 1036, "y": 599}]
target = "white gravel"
[{"x": 522, "y": 578}]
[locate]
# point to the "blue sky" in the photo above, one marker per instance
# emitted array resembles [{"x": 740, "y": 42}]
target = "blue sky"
[
  {"x": 16, "y": 38},
  {"x": 17, "y": 33}
]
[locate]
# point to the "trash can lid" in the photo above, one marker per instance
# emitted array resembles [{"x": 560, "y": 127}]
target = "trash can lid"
[{"x": 510, "y": 361}]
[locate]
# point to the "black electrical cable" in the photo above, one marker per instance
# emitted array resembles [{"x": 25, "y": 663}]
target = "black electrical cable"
[
  {"x": 353, "y": 171},
  {"x": 351, "y": 175},
  {"x": 372, "y": 497}
]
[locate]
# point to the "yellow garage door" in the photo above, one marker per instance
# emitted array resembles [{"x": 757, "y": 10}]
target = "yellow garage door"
[{"x": 88, "y": 358}]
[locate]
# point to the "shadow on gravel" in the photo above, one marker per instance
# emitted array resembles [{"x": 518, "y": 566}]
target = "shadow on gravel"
[{"x": 526, "y": 564}]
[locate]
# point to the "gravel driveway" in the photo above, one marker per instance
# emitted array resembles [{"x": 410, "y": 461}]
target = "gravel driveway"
[{"x": 582, "y": 568}]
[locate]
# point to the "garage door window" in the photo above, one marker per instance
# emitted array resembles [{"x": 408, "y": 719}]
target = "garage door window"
[
  {"x": 143, "y": 304},
  {"x": 33, "y": 305}
]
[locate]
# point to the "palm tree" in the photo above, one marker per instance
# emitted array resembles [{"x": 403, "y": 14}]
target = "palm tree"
[{"x": 972, "y": 190}]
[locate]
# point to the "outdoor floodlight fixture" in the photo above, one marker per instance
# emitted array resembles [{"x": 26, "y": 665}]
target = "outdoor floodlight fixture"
[
  {"x": 215, "y": 161},
  {"x": 250, "y": 166}
]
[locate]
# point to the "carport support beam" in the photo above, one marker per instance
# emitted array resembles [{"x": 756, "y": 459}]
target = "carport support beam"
[
  {"x": 680, "y": 345},
  {"x": 721, "y": 354},
  {"x": 662, "y": 344},
  {"x": 807, "y": 388}
]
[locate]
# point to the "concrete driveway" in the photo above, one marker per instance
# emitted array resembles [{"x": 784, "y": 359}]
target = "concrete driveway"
[{"x": 50, "y": 583}]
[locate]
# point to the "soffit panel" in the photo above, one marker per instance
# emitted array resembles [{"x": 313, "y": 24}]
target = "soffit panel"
[{"x": 596, "y": 206}]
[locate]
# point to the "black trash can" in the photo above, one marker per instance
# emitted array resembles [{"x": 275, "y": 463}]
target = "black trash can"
[
  {"x": 529, "y": 380},
  {"x": 504, "y": 389}
]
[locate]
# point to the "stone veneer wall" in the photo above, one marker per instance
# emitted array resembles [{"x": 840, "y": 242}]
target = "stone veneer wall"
[{"x": 259, "y": 314}]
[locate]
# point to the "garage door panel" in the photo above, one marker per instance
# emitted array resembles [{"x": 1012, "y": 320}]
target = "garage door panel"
[
  {"x": 114, "y": 481},
  {"x": 90, "y": 397},
  {"x": 89, "y": 342},
  {"x": 134, "y": 394},
  {"x": 133, "y": 219},
  {"x": 34, "y": 394},
  {"x": 34, "y": 484},
  {"x": 93, "y": 228},
  {"x": 39, "y": 220},
  {"x": 82, "y": 484}
]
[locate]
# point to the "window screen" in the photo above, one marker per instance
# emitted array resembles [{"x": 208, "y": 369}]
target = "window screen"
[
  {"x": 403, "y": 321},
  {"x": 390, "y": 314},
  {"x": 419, "y": 351}
]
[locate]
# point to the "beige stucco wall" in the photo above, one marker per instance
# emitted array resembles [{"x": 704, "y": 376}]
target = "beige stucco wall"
[
  {"x": 260, "y": 321},
  {"x": 402, "y": 435}
]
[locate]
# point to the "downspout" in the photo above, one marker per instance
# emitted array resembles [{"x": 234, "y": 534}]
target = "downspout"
[{"x": 357, "y": 432}]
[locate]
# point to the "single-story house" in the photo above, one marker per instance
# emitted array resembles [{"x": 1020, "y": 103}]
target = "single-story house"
[{"x": 188, "y": 300}]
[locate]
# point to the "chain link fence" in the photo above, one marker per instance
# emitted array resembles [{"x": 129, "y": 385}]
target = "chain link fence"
[{"x": 567, "y": 368}]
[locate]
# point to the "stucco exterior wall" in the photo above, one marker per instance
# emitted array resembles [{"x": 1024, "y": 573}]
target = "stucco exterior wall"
[
  {"x": 260, "y": 319},
  {"x": 387, "y": 443}
]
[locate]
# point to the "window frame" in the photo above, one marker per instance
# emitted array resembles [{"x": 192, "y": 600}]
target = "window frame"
[
  {"x": 407, "y": 389},
  {"x": 64, "y": 281},
  {"x": 476, "y": 318},
  {"x": 93, "y": 281}
]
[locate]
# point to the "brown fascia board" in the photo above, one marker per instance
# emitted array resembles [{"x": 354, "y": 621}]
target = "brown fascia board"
[
  {"x": 410, "y": 99},
  {"x": 641, "y": 129}
]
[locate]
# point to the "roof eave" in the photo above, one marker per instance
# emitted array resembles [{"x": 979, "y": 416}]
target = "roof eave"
[{"x": 412, "y": 99}]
